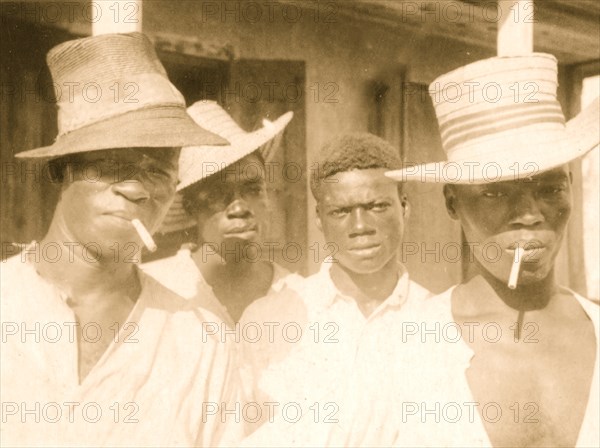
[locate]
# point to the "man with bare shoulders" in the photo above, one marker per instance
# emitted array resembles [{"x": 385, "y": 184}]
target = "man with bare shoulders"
[{"x": 517, "y": 361}]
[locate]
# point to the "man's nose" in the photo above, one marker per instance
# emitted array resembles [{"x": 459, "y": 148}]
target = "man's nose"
[
  {"x": 132, "y": 189},
  {"x": 358, "y": 223},
  {"x": 527, "y": 211},
  {"x": 238, "y": 209}
]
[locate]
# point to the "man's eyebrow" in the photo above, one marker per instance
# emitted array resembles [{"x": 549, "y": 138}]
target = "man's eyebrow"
[
  {"x": 171, "y": 165},
  {"x": 550, "y": 177},
  {"x": 555, "y": 176},
  {"x": 253, "y": 181},
  {"x": 358, "y": 203},
  {"x": 162, "y": 163}
]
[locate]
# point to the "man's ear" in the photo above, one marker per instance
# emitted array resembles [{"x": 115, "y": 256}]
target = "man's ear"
[
  {"x": 405, "y": 206},
  {"x": 318, "y": 219},
  {"x": 450, "y": 195}
]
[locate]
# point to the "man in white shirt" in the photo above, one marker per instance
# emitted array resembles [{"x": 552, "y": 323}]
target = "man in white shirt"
[
  {"x": 94, "y": 352},
  {"x": 224, "y": 200},
  {"x": 508, "y": 357},
  {"x": 313, "y": 334}
]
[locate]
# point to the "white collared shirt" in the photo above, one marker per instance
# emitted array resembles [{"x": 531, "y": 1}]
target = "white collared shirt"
[
  {"x": 147, "y": 389},
  {"x": 318, "y": 335},
  {"x": 181, "y": 275}
]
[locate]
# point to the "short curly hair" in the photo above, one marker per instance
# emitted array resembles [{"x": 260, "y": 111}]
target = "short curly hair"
[{"x": 355, "y": 151}]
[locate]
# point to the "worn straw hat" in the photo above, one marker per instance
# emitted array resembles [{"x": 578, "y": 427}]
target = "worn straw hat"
[
  {"x": 197, "y": 163},
  {"x": 113, "y": 92},
  {"x": 500, "y": 120}
]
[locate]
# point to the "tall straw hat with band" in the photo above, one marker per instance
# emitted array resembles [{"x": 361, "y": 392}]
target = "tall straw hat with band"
[
  {"x": 500, "y": 120},
  {"x": 197, "y": 163},
  {"x": 113, "y": 92}
]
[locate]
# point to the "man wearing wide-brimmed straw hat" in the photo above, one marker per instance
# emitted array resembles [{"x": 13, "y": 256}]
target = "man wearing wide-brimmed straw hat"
[
  {"x": 507, "y": 358},
  {"x": 94, "y": 352},
  {"x": 223, "y": 197}
]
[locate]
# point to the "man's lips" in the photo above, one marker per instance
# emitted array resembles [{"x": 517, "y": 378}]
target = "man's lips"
[
  {"x": 121, "y": 214},
  {"x": 527, "y": 245},
  {"x": 365, "y": 249},
  {"x": 121, "y": 218},
  {"x": 534, "y": 250},
  {"x": 238, "y": 230}
]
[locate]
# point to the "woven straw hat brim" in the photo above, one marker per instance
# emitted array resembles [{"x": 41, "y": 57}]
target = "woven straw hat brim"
[
  {"x": 582, "y": 134},
  {"x": 150, "y": 127},
  {"x": 177, "y": 218},
  {"x": 199, "y": 162}
]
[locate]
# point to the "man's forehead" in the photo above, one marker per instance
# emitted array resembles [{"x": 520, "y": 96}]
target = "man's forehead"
[
  {"x": 365, "y": 178},
  {"x": 353, "y": 187},
  {"x": 163, "y": 155}
]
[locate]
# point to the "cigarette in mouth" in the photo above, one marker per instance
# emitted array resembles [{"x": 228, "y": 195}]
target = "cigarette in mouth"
[
  {"x": 144, "y": 234},
  {"x": 514, "y": 272}
]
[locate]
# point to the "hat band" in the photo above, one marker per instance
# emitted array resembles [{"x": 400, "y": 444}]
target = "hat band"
[
  {"x": 96, "y": 101},
  {"x": 509, "y": 143},
  {"x": 492, "y": 122}
]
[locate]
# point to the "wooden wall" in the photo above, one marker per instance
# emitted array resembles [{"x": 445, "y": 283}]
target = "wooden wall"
[{"x": 27, "y": 120}]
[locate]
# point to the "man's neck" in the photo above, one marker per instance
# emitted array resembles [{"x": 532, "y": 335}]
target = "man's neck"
[
  {"x": 213, "y": 266},
  {"x": 368, "y": 290},
  {"x": 526, "y": 297},
  {"x": 87, "y": 277}
]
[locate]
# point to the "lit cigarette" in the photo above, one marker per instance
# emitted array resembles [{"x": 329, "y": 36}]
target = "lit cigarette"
[
  {"x": 144, "y": 234},
  {"x": 514, "y": 272}
]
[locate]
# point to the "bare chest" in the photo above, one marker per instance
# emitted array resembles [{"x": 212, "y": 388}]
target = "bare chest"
[
  {"x": 97, "y": 331},
  {"x": 92, "y": 344},
  {"x": 533, "y": 393}
]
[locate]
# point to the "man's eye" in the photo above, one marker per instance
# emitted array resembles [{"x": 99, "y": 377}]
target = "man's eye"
[
  {"x": 157, "y": 172},
  {"x": 254, "y": 189},
  {"x": 553, "y": 189},
  {"x": 493, "y": 194},
  {"x": 379, "y": 206},
  {"x": 338, "y": 213}
]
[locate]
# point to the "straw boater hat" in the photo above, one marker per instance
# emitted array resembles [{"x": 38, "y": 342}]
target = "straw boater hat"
[
  {"x": 197, "y": 163},
  {"x": 500, "y": 119},
  {"x": 121, "y": 98}
]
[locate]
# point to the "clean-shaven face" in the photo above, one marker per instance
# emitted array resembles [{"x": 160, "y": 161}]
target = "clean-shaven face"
[
  {"x": 532, "y": 213},
  {"x": 361, "y": 213}
]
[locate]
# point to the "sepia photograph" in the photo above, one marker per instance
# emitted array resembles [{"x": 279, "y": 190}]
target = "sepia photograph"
[{"x": 300, "y": 223}]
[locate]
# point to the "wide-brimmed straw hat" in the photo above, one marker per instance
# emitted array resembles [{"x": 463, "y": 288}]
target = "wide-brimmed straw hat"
[
  {"x": 500, "y": 120},
  {"x": 113, "y": 92},
  {"x": 197, "y": 163}
]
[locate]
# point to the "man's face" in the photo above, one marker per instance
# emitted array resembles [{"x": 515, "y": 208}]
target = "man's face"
[
  {"x": 233, "y": 205},
  {"x": 104, "y": 190},
  {"x": 362, "y": 214},
  {"x": 496, "y": 217}
]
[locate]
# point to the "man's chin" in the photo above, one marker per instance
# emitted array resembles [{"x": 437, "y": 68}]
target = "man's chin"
[
  {"x": 532, "y": 276},
  {"x": 112, "y": 249},
  {"x": 363, "y": 266},
  {"x": 529, "y": 275}
]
